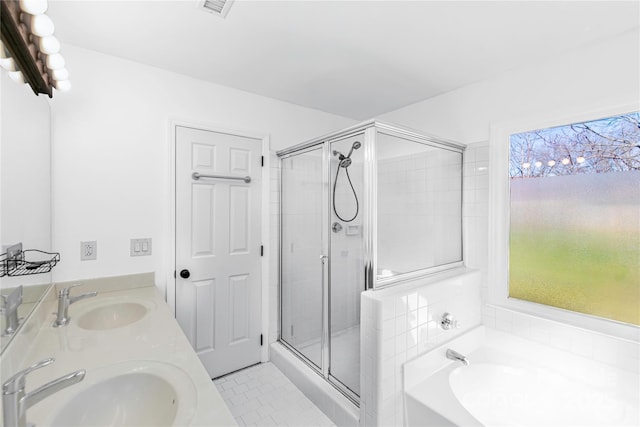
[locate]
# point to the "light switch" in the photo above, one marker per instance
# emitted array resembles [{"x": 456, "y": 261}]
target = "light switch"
[{"x": 141, "y": 247}]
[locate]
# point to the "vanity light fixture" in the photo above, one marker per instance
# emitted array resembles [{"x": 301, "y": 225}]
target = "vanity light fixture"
[{"x": 29, "y": 51}]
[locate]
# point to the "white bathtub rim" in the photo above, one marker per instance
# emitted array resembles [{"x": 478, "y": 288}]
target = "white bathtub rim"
[{"x": 436, "y": 367}]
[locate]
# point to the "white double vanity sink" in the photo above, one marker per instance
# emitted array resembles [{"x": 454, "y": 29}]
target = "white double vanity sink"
[{"x": 139, "y": 367}]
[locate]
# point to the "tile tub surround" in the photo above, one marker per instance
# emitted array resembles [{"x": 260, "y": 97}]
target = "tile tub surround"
[
  {"x": 617, "y": 352},
  {"x": 157, "y": 337},
  {"x": 403, "y": 321}
]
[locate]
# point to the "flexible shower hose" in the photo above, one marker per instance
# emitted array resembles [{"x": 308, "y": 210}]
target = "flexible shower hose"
[{"x": 335, "y": 181}]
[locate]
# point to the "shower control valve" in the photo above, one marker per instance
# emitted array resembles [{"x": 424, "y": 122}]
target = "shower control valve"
[{"x": 449, "y": 322}]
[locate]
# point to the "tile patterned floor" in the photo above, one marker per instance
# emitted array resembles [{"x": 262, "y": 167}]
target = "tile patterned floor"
[{"x": 261, "y": 395}]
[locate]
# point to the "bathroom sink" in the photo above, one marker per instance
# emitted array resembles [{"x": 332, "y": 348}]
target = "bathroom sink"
[
  {"x": 112, "y": 313},
  {"x": 139, "y": 393}
]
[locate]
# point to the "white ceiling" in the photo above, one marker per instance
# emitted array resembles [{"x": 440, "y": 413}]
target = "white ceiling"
[{"x": 357, "y": 59}]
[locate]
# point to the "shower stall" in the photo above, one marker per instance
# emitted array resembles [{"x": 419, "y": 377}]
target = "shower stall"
[{"x": 360, "y": 209}]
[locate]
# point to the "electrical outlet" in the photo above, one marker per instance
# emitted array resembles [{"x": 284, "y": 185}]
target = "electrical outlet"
[{"x": 88, "y": 250}]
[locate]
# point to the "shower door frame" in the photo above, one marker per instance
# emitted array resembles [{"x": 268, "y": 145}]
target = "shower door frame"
[
  {"x": 368, "y": 130},
  {"x": 323, "y": 260}
]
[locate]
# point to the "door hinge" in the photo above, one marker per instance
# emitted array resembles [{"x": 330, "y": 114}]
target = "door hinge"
[
  {"x": 261, "y": 340},
  {"x": 262, "y": 161},
  {"x": 261, "y": 250},
  {"x": 174, "y": 274}
]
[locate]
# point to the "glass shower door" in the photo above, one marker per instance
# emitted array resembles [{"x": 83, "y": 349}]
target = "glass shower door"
[
  {"x": 302, "y": 228},
  {"x": 346, "y": 260}
]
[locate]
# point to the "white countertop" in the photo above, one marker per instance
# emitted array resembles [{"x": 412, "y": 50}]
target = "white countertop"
[{"x": 156, "y": 337}]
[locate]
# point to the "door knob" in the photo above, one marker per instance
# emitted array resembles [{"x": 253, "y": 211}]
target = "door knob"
[{"x": 185, "y": 274}]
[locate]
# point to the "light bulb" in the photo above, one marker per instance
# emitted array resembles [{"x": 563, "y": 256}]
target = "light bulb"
[
  {"x": 34, "y": 7},
  {"x": 538, "y": 164},
  {"x": 55, "y": 61},
  {"x": 580, "y": 159},
  {"x": 41, "y": 25},
  {"x": 49, "y": 45},
  {"x": 566, "y": 161},
  {"x": 526, "y": 165},
  {"x": 4, "y": 53},
  {"x": 63, "y": 85},
  {"x": 16, "y": 76},
  {"x": 551, "y": 163},
  {"x": 60, "y": 74},
  {"x": 8, "y": 64}
]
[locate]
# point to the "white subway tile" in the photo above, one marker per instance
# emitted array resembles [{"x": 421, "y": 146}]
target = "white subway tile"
[
  {"x": 423, "y": 316},
  {"x": 401, "y": 324},
  {"x": 489, "y": 321},
  {"x": 605, "y": 349},
  {"x": 582, "y": 343},
  {"x": 629, "y": 349},
  {"x": 388, "y": 329},
  {"x": 401, "y": 305},
  {"x": 388, "y": 349},
  {"x": 401, "y": 343},
  {"x": 412, "y": 301}
]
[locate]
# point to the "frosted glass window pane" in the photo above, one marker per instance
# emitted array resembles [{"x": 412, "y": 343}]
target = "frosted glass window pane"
[
  {"x": 575, "y": 218},
  {"x": 419, "y": 206}
]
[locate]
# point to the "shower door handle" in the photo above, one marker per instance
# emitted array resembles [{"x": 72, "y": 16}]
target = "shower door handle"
[{"x": 324, "y": 339}]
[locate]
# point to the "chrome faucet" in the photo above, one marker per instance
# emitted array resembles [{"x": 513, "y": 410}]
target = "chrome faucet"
[
  {"x": 10, "y": 304},
  {"x": 15, "y": 401},
  {"x": 64, "y": 301},
  {"x": 454, "y": 355}
]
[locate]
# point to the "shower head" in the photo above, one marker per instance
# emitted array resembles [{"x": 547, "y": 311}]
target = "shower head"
[
  {"x": 355, "y": 146},
  {"x": 345, "y": 161}
]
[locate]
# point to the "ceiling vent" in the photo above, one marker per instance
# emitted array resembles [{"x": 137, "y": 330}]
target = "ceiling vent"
[{"x": 216, "y": 7}]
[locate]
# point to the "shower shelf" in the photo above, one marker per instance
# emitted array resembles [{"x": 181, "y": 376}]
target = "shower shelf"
[{"x": 30, "y": 261}]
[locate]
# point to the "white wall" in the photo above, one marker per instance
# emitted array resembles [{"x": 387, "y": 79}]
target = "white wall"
[
  {"x": 25, "y": 174},
  {"x": 592, "y": 77},
  {"x": 111, "y": 154}
]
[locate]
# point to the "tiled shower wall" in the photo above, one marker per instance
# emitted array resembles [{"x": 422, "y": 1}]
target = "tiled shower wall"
[{"x": 419, "y": 210}]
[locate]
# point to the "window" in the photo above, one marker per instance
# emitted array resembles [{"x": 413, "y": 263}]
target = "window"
[
  {"x": 574, "y": 217},
  {"x": 565, "y": 214}
]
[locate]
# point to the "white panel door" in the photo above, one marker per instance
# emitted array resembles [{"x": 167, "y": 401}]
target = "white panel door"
[{"x": 218, "y": 273}]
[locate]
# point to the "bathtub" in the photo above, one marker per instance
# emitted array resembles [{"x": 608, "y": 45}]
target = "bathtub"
[{"x": 511, "y": 381}]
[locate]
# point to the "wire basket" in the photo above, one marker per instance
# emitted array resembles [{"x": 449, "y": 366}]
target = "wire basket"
[{"x": 30, "y": 261}]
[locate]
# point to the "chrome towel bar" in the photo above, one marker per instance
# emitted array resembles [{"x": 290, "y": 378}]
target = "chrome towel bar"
[{"x": 197, "y": 176}]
